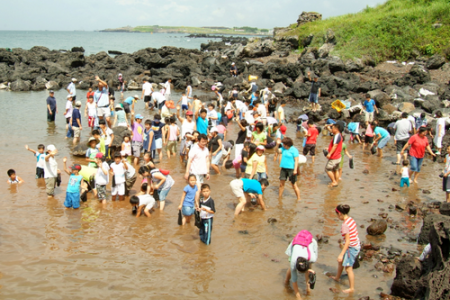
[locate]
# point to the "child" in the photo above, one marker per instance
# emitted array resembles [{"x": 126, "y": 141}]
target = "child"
[
  {"x": 91, "y": 152},
  {"x": 13, "y": 178},
  {"x": 126, "y": 146},
  {"x": 162, "y": 185},
  {"x": 90, "y": 112},
  {"x": 107, "y": 134},
  {"x": 353, "y": 127},
  {"x": 75, "y": 121},
  {"x": 311, "y": 140},
  {"x": 446, "y": 179},
  {"x": 101, "y": 145},
  {"x": 184, "y": 102},
  {"x": 40, "y": 156},
  {"x": 344, "y": 152},
  {"x": 173, "y": 133},
  {"x": 280, "y": 112},
  {"x": 118, "y": 168},
  {"x": 368, "y": 136},
  {"x": 189, "y": 199},
  {"x": 149, "y": 139},
  {"x": 130, "y": 175},
  {"x": 207, "y": 211},
  {"x": 159, "y": 134},
  {"x": 137, "y": 142},
  {"x": 226, "y": 151},
  {"x": 101, "y": 178},
  {"x": 73, "y": 187},
  {"x": 143, "y": 201},
  {"x": 257, "y": 165},
  {"x": 350, "y": 249},
  {"x": 405, "y": 173},
  {"x": 120, "y": 117}
]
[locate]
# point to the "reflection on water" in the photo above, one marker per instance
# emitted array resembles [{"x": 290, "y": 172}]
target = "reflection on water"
[{"x": 105, "y": 252}]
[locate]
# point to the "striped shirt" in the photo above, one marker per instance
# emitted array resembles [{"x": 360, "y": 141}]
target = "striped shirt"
[{"x": 349, "y": 226}]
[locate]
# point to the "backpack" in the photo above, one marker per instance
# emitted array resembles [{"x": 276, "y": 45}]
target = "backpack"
[{"x": 303, "y": 238}]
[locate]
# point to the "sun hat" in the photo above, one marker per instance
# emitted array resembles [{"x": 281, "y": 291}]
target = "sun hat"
[
  {"x": 232, "y": 63},
  {"x": 136, "y": 96},
  {"x": 260, "y": 147},
  {"x": 92, "y": 139},
  {"x": 120, "y": 74},
  {"x": 214, "y": 129},
  {"x": 76, "y": 167},
  {"x": 51, "y": 148},
  {"x": 138, "y": 116},
  {"x": 118, "y": 106},
  {"x": 69, "y": 96},
  {"x": 123, "y": 153},
  {"x": 51, "y": 92},
  {"x": 74, "y": 79},
  {"x": 189, "y": 113}
]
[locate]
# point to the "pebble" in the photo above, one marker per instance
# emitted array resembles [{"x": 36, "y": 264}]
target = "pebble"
[
  {"x": 394, "y": 189},
  {"x": 271, "y": 220},
  {"x": 243, "y": 231},
  {"x": 426, "y": 192}
]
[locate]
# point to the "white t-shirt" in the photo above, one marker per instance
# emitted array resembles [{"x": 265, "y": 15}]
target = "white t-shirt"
[
  {"x": 92, "y": 109},
  {"x": 102, "y": 178},
  {"x": 249, "y": 117},
  {"x": 158, "y": 97},
  {"x": 119, "y": 172},
  {"x": 184, "y": 100},
  {"x": 262, "y": 111},
  {"x": 271, "y": 120},
  {"x": 130, "y": 172},
  {"x": 40, "y": 160},
  {"x": 72, "y": 89},
  {"x": 440, "y": 121},
  {"x": 187, "y": 126},
  {"x": 147, "y": 88},
  {"x": 405, "y": 172},
  {"x": 228, "y": 107},
  {"x": 198, "y": 157},
  {"x": 167, "y": 86},
  {"x": 50, "y": 168},
  {"x": 69, "y": 106},
  {"x": 239, "y": 105},
  {"x": 107, "y": 136},
  {"x": 147, "y": 200},
  {"x": 212, "y": 114}
]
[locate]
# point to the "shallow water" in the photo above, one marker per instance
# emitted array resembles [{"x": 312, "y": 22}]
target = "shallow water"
[{"x": 103, "y": 252}]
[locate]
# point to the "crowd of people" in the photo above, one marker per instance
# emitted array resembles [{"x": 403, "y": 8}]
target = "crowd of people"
[{"x": 197, "y": 132}]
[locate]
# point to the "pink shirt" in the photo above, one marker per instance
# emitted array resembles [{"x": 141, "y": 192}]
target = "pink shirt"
[
  {"x": 198, "y": 157},
  {"x": 173, "y": 133},
  {"x": 221, "y": 129}
]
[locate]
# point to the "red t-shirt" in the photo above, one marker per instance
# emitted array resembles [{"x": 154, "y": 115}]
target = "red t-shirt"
[
  {"x": 89, "y": 94},
  {"x": 312, "y": 139},
  {"x": 337, "y": 140},
  {"x": 418, "y": 146}
]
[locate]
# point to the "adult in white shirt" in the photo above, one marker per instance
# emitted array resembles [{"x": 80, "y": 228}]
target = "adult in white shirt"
[
  {"x": 68, "y": 115},
  {"x": 147, "y": 90},
  {"x": 262, "y": 112},
  {"x": 187, "y": 126},
  {"x": 159, "y": 100},
  {"x": 101, "y": 98},
  {"x": 198, "y": 162},
  {"x": 130, "y": 177},
  {"x": 212, "y": 115},
  {"x": 72, "y": 90},
  {"x": 440, "y": 131},
  {"x": 167, "y": 87},
  {"x": 403, "y": 128},
  {"x": 50, "y": 170}
]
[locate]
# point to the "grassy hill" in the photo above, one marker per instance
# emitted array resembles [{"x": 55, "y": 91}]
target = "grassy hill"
[{"x": 397, "y": 29}]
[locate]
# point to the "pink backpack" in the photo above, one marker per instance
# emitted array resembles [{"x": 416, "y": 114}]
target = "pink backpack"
[{"x": 303, "y": 238}]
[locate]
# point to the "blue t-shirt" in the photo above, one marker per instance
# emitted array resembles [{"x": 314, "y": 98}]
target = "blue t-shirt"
[
  {"x": 129, "y": 100},
  {"x": 202, "y": 125},
  {"x": 156, "y": 127},
  {"x": 147, "y": 140},
  {"x": 253, "y": 98},
  {"x": 288, "y": 157},
  {"x": 380, "y": 130},
  {"x": 76, "y": 115},
  {"x": 252, "y": 186},
  {"x": 369, "y": 105},
  {"x": 189, "y": 199},
  {"x": 331, "y": 121},
  {"x": 74, "y": 183}
]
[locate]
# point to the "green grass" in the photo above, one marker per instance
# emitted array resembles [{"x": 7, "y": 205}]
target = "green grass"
[{"x": 393, "y": 30}]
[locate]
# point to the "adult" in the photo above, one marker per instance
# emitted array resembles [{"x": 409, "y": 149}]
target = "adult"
[
  {"x": 369, "y": 107},
  {"x": 52, "y": 108},
  {"x": 418, "y": 143},
  {"x": 50, "y": 170},
  {"x": 121, "y": 86},
  {"x": 334, "y": 153},
  {"x": 233, "y": 70},
  {"x": 403, "y": 128},
  {"x": 440, "y": 131},
  {"x": 68, "y": 115},
  {"x": 147, "y": 90},
  {"x": 101, "y": 98},
  {"x": 198, "y": 162},
  {"x": 242, "y": 136},
  {"x": 289, "y": 166},
  {"x": 215, "y": 148},
  {"x": 248, "y": 187},
  {"x": 167, "y": 87},
  {"x": 158, "y": 100},
  {"x": 72, "y": 90},
  {"x": 315, "y": 91},
  {"x": 189, "y": 90},
  {"x": 128, "y": 105},
  {"x": 301, "y": 259},
  {"x": 266, "y": 95},
  {"x": 187, "y": 126},
  {"x": 202, "y": 121},
  {"x": 381, "y": 137}
]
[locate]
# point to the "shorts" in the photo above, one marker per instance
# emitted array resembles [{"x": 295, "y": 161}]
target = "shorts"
[
  {"x": 76, "y": 132},
  {"x": 101, "y": 191},
  {"x": 91, "y": 121},
  {"x": 187, "y": 211},
  {"x": 332, "y": 165},
  {"x": 438, "y": 141},
  {"x": 67, "y": 120},
  {"x": 104, "y": 112},
  {"x": 136, "y": 148},
  {"x": 163, "y": 194},
  {"x": 403, "y": 181},
  {"x": 39, "y": 172},
  {"x": 147, "y": 98},
  {"x": 182, "y": 146},
  {"x": 368, "y": 116},
  {"x": 350, "y": 256},
  {"x": 172, "y": 146},
  {"x": 243, "y": 167},
  {"x": 288, "y": 174},
  {"x": 126, "y": 107},
  {"x": 314, "y": 98},
  {"x": 400, "y": 144},
  {"x": 50, "y": 184},
  {"x": 446, "y": 184},
  {"x": 184, "y": 107},
  {"x": 160, "y": 105},
  {"x": 72, "y": 200},
  {"x": 216, "y": 158},
  {"x": 415, "y": 163},
  {"x": 237, "y": 187},
  {"x": 129, "y": 182},
  {"x": 270, "y": 145},
  {"x": 368, "y": 139},
  {"x": 158, "y": 143},
  {"x": 118, "y": 189},
  {"x": 383, "y": 142},
  {"x": 311, "y": 148}
]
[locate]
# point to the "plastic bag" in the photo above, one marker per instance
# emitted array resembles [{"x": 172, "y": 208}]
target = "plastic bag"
[
  {"x": 350, "y": 163},
  {"x": 374, "y": 149},
  {"x": 180, "y": 218}
]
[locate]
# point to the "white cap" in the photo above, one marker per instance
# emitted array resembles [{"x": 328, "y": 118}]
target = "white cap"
[
  {"x": 69, "y": 96},
  {"x": 214, "y": 129},
  {"x": 120, "y": 74},
  {"x": 118, "y": 106},
  {"x": 232, "y": 63},
  {"x": 78, "y": 104},
  {"x": 74, "y": 79},
  {"x": 123, "y": 153},
  {"x": 51, "y": 148},
  {"x": 260, "y": 147},
  {"x": 136, "y": 96}
]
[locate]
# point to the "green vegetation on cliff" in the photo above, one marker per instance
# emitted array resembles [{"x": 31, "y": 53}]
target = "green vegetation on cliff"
[{"x": 397, "y": 29}]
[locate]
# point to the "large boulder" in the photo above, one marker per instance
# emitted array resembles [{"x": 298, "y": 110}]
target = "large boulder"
[
  {"x": 428, "y": 221},
  {"x": 119, "y": 133},
  {"x": 407, "y": 277},
  {"x": 330, "y": 37},
  {"x": 431, "y": 105},
  {"x": 335, "y": 64},
  {"x": 259, "y": 48},
  {"x": 354, "y": 65},
  {"x": 20, "y": 86},
  {"x": 380, "y": 97},
  {"x": 435, "y": 62},
  {"x": 378, "y": 227},
  {"x": 325, "y": 49},
  {"x": 417, "y": 75},
  {"x": 306, "y": 17},
  {"x": 406, "y": 107}
]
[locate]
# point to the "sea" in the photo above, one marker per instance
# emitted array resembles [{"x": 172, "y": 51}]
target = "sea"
[{"x": 94, "y": 42}]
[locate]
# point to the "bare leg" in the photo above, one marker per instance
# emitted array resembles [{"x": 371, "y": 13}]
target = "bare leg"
[
  {"x": 160, "y": 154},
  {"x": 108, "y": 120},
  {"x": 161, "y": 205},
  {"x": 216, "y": 169},
  {"x": 313, "y": 158},
  {"x": 399, "y": 158},
  {"x": 340, "y": 174},
  {"x": 380, "y": 152},
  {"x": 296, "y": 190},
  {"x": 281, "y": 189},
  {"x": 447, "y": 198},
  {"x": 187, "y": 219},
  {"x": 308, "y": 289},
  {"x": 351, "y": 279},
  {"x": 240, "y": 206},
  {"x": 297, "y": 292},
  {"x": 415, "y": 177},
  {"x": 168, "y": 154},
  {"x": 136, "y": 161},
  {"x": 339, "y": 272},
  {"x": 332, "y": 177},
  {"x": 121, "y": 198},
  {"x": 288, "y": 276},
  {"x": 183, "y": 222}
]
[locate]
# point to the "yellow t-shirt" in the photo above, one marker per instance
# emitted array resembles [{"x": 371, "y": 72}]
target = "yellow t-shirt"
[{"x": 260, "y": 168}]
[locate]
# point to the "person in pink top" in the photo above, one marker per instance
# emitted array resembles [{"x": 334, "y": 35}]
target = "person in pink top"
[
  {"x": 173, "y": 134},
  {"x": 222, "y": 130},
  {"x": 368, "y": 137},
  {"x": 198, "y": 162},
  {"x": 350, "y": 247}
]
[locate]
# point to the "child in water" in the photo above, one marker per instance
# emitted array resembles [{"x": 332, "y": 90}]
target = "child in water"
[
  {"x": 13, "y": 178},
  {"x": 207, "y": 211},
  {"x": 189, "y": 199},
  {"x": 143, "y": 200},
  {"x": 74, "y": 185},
  {"x": 40, "y": 157},
  {"x": 405, "y": 174}
]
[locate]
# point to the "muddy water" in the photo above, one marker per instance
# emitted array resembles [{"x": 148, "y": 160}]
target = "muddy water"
[{"x": 103, "y": 252}]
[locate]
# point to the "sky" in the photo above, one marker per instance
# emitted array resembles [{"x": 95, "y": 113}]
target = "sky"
[{"x": 101, "y": 14}]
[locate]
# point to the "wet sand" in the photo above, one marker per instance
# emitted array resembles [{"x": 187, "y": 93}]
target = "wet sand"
[{"x": 104, "y": 252}]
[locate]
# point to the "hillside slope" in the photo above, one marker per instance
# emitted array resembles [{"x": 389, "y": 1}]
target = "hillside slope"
[{"x": 397, "y": 29}]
